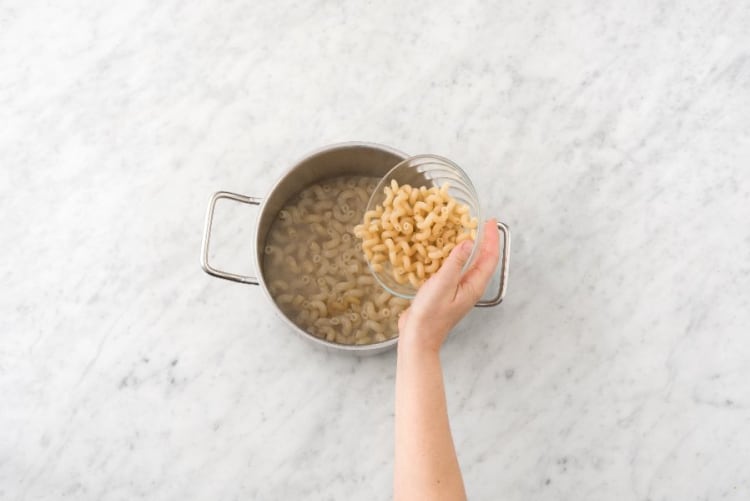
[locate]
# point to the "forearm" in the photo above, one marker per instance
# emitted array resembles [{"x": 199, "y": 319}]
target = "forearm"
[{"x": 426, "y": 466}]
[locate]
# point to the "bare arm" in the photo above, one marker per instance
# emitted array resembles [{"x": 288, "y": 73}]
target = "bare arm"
[
  {"x": 426, "y": 466},
  {"x": 426, "y": 463}
]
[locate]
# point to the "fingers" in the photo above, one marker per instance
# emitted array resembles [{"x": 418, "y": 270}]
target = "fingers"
[
  {"x": 477, "y": 278},
  {"x": 402, "y": 319},
  {"x": 449, "y": 273}
]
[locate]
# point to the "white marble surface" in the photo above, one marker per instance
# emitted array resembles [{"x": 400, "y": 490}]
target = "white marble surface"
[{"x": 613, "y": 137}]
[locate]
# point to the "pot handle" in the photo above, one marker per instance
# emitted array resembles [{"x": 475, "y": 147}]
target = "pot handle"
[
  {"x": 207, "y": 237},
  {"x": 503, "y": 268}
]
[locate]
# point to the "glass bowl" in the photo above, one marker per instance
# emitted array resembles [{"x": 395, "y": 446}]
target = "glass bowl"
[{"x": 428, "y": 171}]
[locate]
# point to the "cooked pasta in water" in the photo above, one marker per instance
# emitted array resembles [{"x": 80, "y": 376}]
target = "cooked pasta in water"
[
  {"x": 413, "y": 231},
  {"x": 315, "y": 269}
]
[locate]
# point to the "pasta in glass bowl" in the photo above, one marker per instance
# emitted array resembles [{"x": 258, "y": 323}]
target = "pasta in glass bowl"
[{"x": 420, "y": 210}]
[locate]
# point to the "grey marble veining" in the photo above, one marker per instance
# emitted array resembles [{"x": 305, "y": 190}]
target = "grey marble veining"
[{"x": 614, "y": 139}]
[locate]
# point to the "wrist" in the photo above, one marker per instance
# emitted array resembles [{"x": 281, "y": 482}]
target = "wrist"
[{"x": 414, "y": 341}]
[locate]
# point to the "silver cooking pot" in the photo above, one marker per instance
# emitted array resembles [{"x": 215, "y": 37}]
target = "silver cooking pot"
[{"x": 345, "y": 159}]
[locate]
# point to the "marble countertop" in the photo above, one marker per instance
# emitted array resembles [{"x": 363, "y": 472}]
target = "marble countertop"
[{"x": 613, "y": 138}]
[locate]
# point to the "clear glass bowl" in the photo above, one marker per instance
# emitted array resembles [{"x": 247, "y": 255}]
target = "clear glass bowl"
[{"x": 429, "y": 171}]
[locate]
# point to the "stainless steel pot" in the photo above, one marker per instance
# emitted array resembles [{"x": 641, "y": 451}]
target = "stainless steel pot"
[{"x": 354, "y": 158}]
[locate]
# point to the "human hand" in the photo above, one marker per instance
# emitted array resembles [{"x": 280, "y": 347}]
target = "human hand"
[{"x": 448, "y": 296}]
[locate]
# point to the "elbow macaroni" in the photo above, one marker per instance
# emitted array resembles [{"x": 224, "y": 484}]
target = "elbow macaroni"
[
  {"x": 316, "y": 272},
  {"x": 414, "y": 231}
]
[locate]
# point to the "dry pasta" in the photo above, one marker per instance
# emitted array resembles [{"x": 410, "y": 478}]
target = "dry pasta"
[
  {"x": 413, "y": 231},
  {"x": 316, "y": 271}
]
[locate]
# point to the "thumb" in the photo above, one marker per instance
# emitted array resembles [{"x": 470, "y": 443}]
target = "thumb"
[{"x": 450, "y": 272}]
